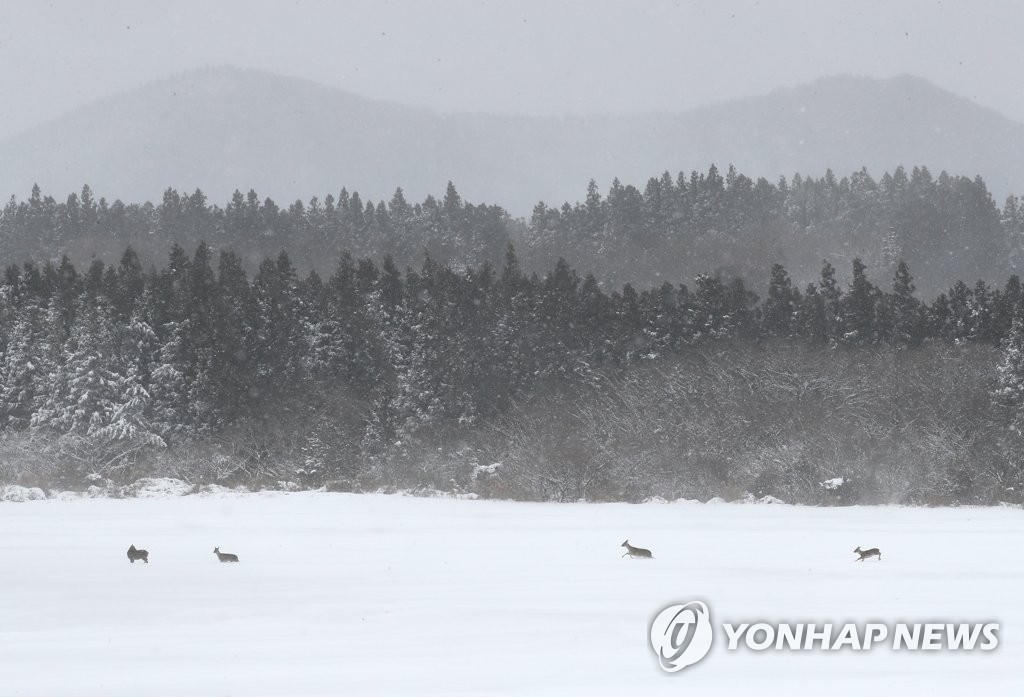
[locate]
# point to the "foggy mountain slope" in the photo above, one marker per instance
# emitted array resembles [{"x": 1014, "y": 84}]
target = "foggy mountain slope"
[
  {"x": 222, "y": 129},
  {"x": 846, "y": 123}
]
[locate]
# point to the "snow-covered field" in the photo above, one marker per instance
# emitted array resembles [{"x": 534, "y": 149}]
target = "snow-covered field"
[{"x": 346, "y": 594}]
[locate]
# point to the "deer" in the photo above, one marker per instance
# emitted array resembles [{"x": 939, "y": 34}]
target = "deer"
[
  {"x": 134, "y": 554},
  {"x": 636, "y": 552},
  {"x": 868, "y": 553},
  {"x": 223, "y": 556}
]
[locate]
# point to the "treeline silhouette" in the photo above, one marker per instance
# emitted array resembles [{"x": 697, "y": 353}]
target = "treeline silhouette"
[
  {"x": 945, "y": 227},
  {"x": 506, "y": 383},
  {"x": 315, "y": 234}
]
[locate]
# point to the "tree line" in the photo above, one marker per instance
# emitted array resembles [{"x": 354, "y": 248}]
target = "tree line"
[
  {"x": 673, "y": 228},
  {"x": 379, "y": 375}
]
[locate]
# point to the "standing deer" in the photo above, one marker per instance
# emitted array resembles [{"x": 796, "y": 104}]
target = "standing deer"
[
  {"x": 636, "y": 552},
  {"x": 134, "y": 554},
  {"x": 223, "y": 556},
  {"x": 868, "y": 553}
]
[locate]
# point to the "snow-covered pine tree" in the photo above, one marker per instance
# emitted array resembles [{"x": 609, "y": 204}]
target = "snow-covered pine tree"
[
  {"x": 83, "y": 393},
  {"x": 1009, "y": 391},
  {"x": 130, "y": 420},
  {"x": 26, "y": 365},
  {"x": 169, "y": 387}
]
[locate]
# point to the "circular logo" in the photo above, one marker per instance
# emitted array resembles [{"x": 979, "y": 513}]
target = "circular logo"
[{"x": 681, "y": 635}]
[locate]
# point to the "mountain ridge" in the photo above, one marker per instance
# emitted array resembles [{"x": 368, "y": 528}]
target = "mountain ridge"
[{"x": 221, "y": 128}]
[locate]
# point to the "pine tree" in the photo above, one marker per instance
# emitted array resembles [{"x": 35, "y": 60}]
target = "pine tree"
[
  {"x": 812, "y": 322},
  {"x": 138, "y": 356},
  {"x": 234, "y": 326},
  {"x": 710, "y": 315},
  {"x": 28, "y": 364},
  {"x": 169, "y": 387},
  {"x": 859, "y": 311},
  {"x": 780, "y": 307},
  {"x": 84, "y": 392},
  {"x": 831, "y": 298},
  {"x": 906, "y": 317},
  {"x": 982, "y": 320},
  {"x": 129, "y": 421},
  {"x": 1009, "y": 392},
  {"x": 129, "y": 286},
  {"x": 279, "y": 348}
]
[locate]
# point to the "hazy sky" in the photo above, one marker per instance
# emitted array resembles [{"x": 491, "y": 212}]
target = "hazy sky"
[{"x": 529, "y": 57}]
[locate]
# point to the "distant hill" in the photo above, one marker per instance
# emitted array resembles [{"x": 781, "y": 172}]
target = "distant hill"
[{"x": 222, "y": 129}]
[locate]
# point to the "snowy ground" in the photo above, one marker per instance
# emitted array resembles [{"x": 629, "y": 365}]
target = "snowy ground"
[{"x": 342, "y": 595}]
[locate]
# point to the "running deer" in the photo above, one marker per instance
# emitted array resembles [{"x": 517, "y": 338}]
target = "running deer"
[
  {"x": 868, "y": 553},
  {"x": 636, "y": 552},
  {"x": 224, "y": 557},
  {"x": 134, "y": 554}
]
